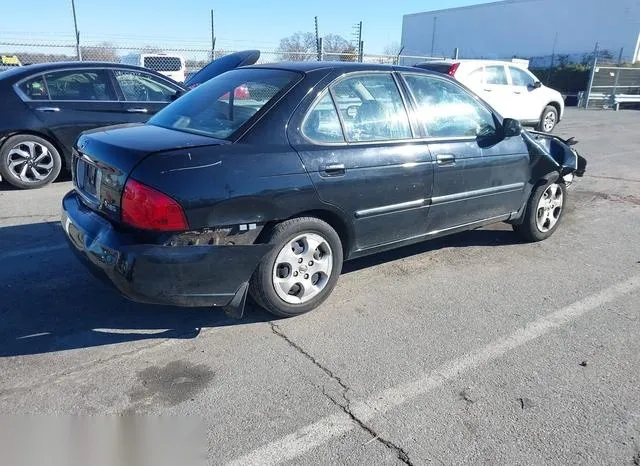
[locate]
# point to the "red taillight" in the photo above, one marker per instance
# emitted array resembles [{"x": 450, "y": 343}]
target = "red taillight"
[
  {"x": 148, "y": 209},
  {"x": 453, "y": 69}
]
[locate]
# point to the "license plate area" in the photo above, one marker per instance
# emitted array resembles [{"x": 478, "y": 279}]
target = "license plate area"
[{"x": 88, "y": 179}]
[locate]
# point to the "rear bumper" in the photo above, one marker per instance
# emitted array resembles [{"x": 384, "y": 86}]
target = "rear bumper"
[{"x": 182, "y": 276}]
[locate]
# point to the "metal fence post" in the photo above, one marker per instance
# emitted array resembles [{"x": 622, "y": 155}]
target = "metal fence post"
[
  {"x": 75, "y": 25},
  {"x": 591, "y": 77}
]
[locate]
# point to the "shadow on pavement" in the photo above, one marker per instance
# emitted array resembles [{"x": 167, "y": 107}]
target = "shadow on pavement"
[
  {"x": 484, "y": 237},
  {"x": 49, "y": 302}
]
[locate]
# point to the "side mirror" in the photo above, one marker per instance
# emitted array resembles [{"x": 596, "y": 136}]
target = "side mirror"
[
  {"x": 537, "y": 85},
  {"x": 511, "y": 127}
]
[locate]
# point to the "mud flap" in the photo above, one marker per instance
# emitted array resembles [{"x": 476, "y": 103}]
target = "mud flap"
[{"x": 235, "y": 309}]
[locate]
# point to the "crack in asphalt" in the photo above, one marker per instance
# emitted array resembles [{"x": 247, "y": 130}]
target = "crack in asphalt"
[{"x": 346, "y": 406}]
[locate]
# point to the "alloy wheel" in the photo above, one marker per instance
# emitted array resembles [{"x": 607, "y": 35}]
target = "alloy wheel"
[
  {"x": 302, "y": 268},
  {"x": 549, "y": 208},
  {"x": 549, "y": 121},
  {"x": 30, "y": 162}
]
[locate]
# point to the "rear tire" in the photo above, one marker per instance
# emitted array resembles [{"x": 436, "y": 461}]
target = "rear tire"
[
  {"x": 301, "y": 270},
  {"x": 548, "y": 119},
  {"x": 544, "y": 212},
  {"x": 29, "y": 162}
]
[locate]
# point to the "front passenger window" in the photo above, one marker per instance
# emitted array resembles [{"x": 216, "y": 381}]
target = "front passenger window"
[
  {"x": 446, "y": 110},
  {"x": 143, "y": 87}
]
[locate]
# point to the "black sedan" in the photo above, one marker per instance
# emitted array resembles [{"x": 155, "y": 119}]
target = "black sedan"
[
  {"x": 47, "y": 106},
  {"x": 318, "y": 163}
]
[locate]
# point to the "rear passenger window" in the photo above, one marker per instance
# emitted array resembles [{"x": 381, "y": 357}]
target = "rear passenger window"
[
  {"x": 496, "y": 75},
  {"x": 34, "y": 89},
  {"x": 80, "y": 85},
  {"x": 322, "y": 123},
  {"x": 371, "y": 108}
]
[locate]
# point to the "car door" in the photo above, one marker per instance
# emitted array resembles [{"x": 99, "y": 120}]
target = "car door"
[
  {"x": 526, "y": 98},
  {"x": 496, "y": 90},
  {"x": 71, "y": 101},
  {"x": 478, "y": 175},
  {"x": 356, "y": 144},
  {"x": 143, "y": 94}
]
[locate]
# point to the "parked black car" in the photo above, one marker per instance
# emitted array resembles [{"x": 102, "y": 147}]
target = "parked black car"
[
  {"x": 323, "y": 162},
  {"x": 47, "y": 106}
]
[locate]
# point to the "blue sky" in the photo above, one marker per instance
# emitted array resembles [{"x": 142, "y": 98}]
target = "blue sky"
[{"x": 239, "y": 24}]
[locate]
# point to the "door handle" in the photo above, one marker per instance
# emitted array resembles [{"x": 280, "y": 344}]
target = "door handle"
[
  {"x": 517, "y": 92},
  {"x": 138, "y": 110},
  {"x": 48, "y": 109},
  {"x": 335, "y": 169},
  {"x": 488, "y": 90},
  {"x": 445, "y": 159}
]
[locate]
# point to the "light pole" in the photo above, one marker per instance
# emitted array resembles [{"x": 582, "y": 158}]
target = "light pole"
[{"x": 75, "y": 25}]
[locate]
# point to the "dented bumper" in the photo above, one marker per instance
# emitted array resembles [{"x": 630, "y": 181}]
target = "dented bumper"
[{"x": 197, "y": 275}]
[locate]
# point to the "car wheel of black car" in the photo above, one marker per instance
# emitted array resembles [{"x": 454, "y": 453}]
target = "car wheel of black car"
[
  {"x": 28, "y": 161},
  {"x": 301, "y": 270},
  {"x": 544, "y": 211},
  {"x": 549, "y": 119}
]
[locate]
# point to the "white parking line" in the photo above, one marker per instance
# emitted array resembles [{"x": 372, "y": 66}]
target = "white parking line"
[
  {"x": 31, "y": 251},
  {"x": 325, "y": 429}
]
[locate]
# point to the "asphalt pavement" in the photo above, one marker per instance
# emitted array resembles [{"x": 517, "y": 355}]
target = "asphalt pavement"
[{"x": 476, "y": 348}]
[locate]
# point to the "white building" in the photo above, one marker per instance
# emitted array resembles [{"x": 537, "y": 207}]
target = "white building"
[{"x": 526, "y": 29}]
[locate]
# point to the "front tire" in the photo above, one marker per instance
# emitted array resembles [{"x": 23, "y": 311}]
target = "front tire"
[
  {"x": 301, "y": 270},
  {"x": 544, "y": 212},
  {"x": 548, "y": 120},
  {"x": 29, "y": 162}
]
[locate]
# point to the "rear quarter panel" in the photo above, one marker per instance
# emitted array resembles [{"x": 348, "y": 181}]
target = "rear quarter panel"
[{"x": 231, "y": 184}]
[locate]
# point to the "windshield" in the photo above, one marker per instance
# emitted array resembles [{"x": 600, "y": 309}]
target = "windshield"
[
  {"x": 223, "y": 104},
  {"x": 156, "y": 63}
]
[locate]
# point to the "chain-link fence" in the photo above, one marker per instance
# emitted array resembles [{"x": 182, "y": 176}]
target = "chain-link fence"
[{"x": 170, "y": 58}]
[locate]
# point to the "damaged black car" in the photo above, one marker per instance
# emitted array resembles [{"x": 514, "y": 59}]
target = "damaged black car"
[{"x": 264, "y": 179}]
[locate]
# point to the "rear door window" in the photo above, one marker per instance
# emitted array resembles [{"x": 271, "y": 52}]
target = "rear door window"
[
  {"x": 371, "y": 108},
  {"x": 137, "y": 86},
  {"x": 34, "y": 89},
  {"x": 80, "y": 85},
  {"x": 496, "y": 75}
]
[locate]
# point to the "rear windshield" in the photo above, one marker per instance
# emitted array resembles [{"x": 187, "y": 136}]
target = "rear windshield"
[
  {"x": 223, "y": 104},
  {"x": 163, "y": 63}
]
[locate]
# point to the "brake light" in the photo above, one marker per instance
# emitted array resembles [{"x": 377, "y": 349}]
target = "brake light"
[
  {"x": 145, "y": 208},
  {"x": 453, "y": 69}
]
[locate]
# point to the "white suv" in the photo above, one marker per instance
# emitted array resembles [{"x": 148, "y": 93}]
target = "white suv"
[{"x": 509, "y": 88}]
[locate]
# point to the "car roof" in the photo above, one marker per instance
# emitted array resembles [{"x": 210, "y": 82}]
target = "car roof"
[
  {"x": 308, "y": 66},
  {"x": 19, "y": 72}
]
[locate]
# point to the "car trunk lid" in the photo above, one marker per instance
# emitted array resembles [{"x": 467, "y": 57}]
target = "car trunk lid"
[{"x": 104, "y": 158}]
